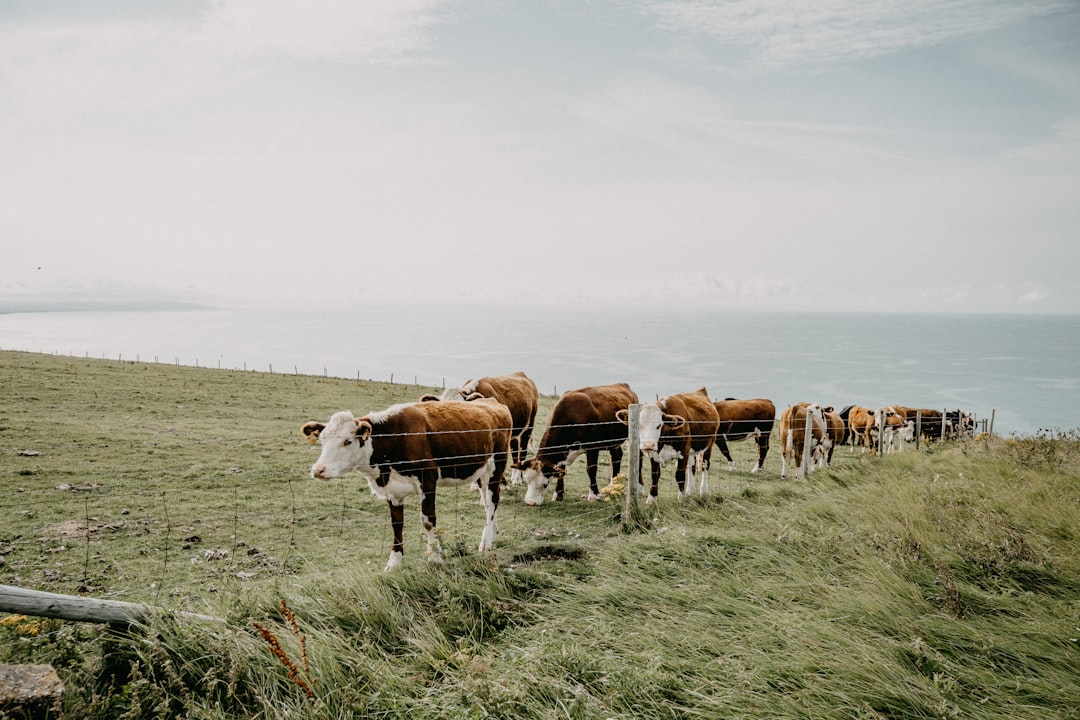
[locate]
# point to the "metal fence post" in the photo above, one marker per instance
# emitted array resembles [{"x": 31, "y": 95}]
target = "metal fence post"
[
  {"x": 633, "y": 462},
  {"x": 808, "y": 444}
]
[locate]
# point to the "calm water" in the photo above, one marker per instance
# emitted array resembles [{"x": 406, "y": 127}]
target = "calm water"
[{"x": 1025, "y": 368}]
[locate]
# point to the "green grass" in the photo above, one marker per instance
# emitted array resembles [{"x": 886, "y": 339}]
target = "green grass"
[{"x": 937, "y": 584}]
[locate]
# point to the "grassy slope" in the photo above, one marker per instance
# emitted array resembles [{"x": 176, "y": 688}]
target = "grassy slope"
[{"x": 944, "y": 584}]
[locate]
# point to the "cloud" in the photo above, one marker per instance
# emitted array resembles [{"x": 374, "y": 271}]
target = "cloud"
[
  {"x": 780, "y": 32},
  {"x": 370, "y": 30}
]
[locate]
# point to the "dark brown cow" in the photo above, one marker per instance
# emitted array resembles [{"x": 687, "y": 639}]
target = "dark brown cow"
[
  {"x": 413, "y": 448},
  {"x": 793, "y": 435},
  {"x": 739, "y": 419},
  {"x": 678, "y": 427},
  {"x": 517, "y": 392},
  {"x": 582, "y": 421}
]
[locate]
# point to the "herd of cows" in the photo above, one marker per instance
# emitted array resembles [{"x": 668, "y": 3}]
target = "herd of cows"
[{"x": 471, "y": 435}]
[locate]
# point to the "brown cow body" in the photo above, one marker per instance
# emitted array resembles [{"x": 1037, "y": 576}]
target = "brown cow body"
[
  {"x": 793, "y": 435},
  {"x": 518, "y": 393},
  {"x": 411, "y": 449},
  {"x": 863, "y": 425},
  {"x": 679, "y": 427},
  {"x": 582, "y": 421},
  {"x": 834, "y": 432},
  {"x": 740, "y": 419}
]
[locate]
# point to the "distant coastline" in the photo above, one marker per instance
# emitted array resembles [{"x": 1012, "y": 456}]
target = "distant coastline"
[{"x": 10, "y": 307}]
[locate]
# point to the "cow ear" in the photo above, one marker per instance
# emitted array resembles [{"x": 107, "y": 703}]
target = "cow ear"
[
  {"x": 828, "y": 408},
  {"x": 623, "y": 416},
  {"x": 674, "y": 421},
  {"x": 363, "y": 430},
  {"x": 429, "y": 398},
  {"x": 312, "y": 430},
  {"x": 474, "y": 396}
]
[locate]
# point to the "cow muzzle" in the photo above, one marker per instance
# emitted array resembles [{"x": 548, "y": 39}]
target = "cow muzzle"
[{"x": 321, "y": 472}]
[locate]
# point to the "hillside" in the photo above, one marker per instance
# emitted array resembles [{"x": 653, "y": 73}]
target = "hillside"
[{"x": 943, "y": 583}]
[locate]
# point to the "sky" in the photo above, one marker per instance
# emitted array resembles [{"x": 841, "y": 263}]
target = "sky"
[{"x": 834, "y": 155}]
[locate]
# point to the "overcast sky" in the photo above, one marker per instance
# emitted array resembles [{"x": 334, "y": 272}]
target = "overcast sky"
[{"x": 828, "y": 155}]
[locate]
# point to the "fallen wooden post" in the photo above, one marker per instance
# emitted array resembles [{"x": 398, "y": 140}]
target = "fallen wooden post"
[{"x": 82, "y": 609}]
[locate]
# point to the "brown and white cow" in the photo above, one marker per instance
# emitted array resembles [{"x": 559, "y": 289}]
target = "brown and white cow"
[
  {"x": 898, "y": 429},
  {"x": 793, "y": 435},
  {"x": 582, "y": 421},
  {"x": 679, "y": 427},
  {"x": 740, "y": 419},
  {"x": 413, "y": 448},
  {"x": 517, "y": 392},
  {"x": 834, "y": 432},
  {"x": 862, "y": 422}
]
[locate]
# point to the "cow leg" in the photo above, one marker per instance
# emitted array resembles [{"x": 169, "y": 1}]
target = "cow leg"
[
  {"x": 785, "y": 453},
  {"x": 489, "y": 494},
  {"x": 762, "y": 450},
  {"x": 616, "y": 460},
  {"x": 701, "y": 461},
  {"x": 654, "y": 492},
  {"x": 397, "y": 526},
  {"x": 519, "y": 448},
  {"x": 721, "y": 443},
  {"x": 592, "y": 462},
  {"x": 427, "y": 517},
  {"x": 680, "y": 475}
]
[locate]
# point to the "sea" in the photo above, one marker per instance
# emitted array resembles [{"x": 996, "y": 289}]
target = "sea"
[{"x": 1023, "y": 371}]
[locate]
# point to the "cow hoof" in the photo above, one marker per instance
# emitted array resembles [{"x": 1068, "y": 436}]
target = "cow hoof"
[
  {"x": 393, "y": 562},
  {"x": 755, "y": 470},
  {"x": 651, "y": 500},
  {"x": 731, "y": 466}
]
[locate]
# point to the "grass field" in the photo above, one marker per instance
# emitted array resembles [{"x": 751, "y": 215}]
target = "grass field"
[{"x": 944, "y": 583}]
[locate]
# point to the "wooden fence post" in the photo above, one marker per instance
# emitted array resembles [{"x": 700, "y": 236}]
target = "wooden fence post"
[
  {"x": 918, "y": 428},
  {"x": 808, "y": 445},
  {"x": 633, "y": 463}
]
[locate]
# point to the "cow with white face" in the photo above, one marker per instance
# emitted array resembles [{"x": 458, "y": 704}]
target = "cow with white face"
[
  {"x": 679, "y": 427},
  {"x": 897, "y": 428},
  {"x": 414, "y": 448},
  {"x": 583, "y": 421}
]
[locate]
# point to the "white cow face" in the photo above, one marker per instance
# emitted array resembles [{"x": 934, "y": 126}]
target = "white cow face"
[
  {"x": 537, "y": 476},
  {"x": 345, "y": 445},
  {"x": 651, "y": 423}
]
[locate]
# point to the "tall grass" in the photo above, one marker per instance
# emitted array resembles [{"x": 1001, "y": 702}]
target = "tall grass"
[{"x": 934, "y": 585}]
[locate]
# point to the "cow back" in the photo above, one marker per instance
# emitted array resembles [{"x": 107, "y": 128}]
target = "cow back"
[
  {"x": 702, "y": 419},
  {"x": 456, "y": 438},
  {"x": 588, "y": 416}
]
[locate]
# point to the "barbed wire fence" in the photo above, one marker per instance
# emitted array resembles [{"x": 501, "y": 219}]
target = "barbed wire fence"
[{"x": 225, "y": 531}]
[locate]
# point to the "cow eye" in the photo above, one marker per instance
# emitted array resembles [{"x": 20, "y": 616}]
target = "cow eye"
[{"x": 348, "y": 441}]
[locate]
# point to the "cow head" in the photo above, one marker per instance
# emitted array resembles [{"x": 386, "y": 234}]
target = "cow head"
[
  {"x": 651, "y": 424},
  {"x": 345, "y": 444},
  {"x": 537, "y": 475}
]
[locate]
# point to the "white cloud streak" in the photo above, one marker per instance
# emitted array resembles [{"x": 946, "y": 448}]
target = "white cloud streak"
[{"x": 781, "y": 32}]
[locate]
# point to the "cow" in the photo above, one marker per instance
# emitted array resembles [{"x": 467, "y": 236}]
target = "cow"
[
  {"x": 679, "y": 427},
  {"x": 959, "y": 424},
  {"x": 896, "y": 425},
  {"x": 582, "y": 421},
  {"x": 518, "y": 393},
  {"x": 834, "y": 432},
  {"x": 740, "y": 419},
  {"x": 793, "y": 434},
  {"x": 863, "y": 427},
  {"x": 413, "y": 448},
  {"x": 845, "y": 416}
]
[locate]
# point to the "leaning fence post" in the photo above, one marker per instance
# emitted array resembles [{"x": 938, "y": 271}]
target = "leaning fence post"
[
  {"x": 633, "y": 464},
  {"x": 918, "y": 428},
  {"x": 944, "y": 422},
  {"x": 808, "y": 444},
  {"x": 990, "y": 432}
]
